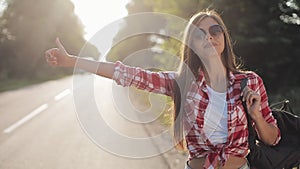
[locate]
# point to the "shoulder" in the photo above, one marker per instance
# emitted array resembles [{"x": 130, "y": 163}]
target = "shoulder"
[
  {"x": 247, "y": 74},
  {"x": 253, "y": 79}
]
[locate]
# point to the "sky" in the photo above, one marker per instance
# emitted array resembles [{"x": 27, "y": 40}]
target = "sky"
[{"x": 95, "y": 14}]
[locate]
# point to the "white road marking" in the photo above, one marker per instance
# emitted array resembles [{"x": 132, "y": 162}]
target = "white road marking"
[
  {"x": 26, "y": 118},
  {"x": 62, "y": 94},
  {"x": 36, "y": 112}
]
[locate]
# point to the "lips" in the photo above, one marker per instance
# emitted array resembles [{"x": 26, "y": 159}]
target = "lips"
[{"x": 211, "y": 44}]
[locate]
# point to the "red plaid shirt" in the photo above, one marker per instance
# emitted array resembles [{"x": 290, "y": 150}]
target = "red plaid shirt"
[{"x": 196, "y": 102}]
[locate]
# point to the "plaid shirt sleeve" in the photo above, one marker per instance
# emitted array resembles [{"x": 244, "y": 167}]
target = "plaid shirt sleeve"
[
  {"x": 156, "y": 82},
  {"x": 256, "y": 84}
]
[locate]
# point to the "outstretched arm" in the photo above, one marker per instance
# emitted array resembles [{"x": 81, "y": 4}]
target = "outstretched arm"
[
  {"x": 60, "y": 57},
  {"x": 158, "y": 82}
]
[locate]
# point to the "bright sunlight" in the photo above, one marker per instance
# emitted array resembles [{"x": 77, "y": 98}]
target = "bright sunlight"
[{"x": 96, "y": 14}]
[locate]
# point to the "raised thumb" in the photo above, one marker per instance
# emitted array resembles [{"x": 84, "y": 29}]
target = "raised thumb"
[{"x": 59, "y": 45}]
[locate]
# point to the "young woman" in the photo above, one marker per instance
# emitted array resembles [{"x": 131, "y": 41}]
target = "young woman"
[{"x": 212, "y": 120}]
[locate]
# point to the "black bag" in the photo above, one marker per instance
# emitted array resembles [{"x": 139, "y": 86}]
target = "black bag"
[{"x": 286, "y": 154}]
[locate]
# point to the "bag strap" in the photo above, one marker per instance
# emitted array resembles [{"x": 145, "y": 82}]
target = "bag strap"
[
  {"x": 285, "y": 105},
  {"x": 252, "y": 133}
]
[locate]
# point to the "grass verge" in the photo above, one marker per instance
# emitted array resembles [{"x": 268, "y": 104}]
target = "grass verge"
[{"x": 12, "y": 84}]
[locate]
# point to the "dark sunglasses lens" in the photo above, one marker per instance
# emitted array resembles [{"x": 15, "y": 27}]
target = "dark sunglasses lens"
[{"x": 215, "y": 30}]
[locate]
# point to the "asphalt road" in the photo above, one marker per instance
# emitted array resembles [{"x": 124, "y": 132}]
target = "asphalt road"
[{"x": 52, "y": 126}]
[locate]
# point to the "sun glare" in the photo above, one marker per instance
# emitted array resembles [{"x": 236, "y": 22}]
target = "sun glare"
[{"x": 96, "y": 14}]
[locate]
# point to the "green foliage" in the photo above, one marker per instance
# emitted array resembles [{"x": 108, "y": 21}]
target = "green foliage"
[
  {"x": 128, "y": 46},
  {"x": 137, "y": 26},
  {"x": 266, "y": 43},
  {"x": 29, "y": 28},
  {"x": 181, "y": 8},
  {"x": 266, "y": 36}
]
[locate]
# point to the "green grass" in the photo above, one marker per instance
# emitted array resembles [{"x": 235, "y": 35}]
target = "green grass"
[
  {"x": 141, "y": 100},
  {"x": 12, "y": 84},
  {"x": 292, "y": 94}
]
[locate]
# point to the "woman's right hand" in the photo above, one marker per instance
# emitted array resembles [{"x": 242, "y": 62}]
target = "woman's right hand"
[{"x": 59, "y": 56}]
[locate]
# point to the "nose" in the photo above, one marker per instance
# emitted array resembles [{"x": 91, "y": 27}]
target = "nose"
[{"x": 208, "y": 36}]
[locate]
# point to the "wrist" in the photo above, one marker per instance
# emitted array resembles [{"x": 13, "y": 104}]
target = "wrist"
[
  {"x": 73, "y": 60},
  {"x": 258, "y": 117}
]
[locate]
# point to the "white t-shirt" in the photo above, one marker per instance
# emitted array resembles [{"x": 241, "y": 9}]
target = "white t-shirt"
[{"x": 215, "y": 118}]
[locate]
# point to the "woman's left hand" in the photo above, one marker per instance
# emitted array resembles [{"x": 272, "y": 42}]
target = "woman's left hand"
[{"x": 253, "y": 102}]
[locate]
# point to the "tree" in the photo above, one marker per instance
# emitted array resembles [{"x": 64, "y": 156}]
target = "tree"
[
  {"x": 266, "y": 34},
  {"x": 32, "y": 27},
  {"x": 125, "y": 47},
  {"x": 265, "y": 40}
]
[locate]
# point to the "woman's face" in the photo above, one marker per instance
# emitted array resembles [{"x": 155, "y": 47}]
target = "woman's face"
[{"x": 208, "y": 40}]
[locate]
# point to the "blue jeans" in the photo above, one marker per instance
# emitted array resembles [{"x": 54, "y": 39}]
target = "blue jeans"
[{"x": 245, "y": 166}]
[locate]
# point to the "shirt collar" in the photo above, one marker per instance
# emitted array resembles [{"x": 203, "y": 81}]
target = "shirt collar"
[
  {"x": 231, "y": 78},
  {"x": 202, "y": 82}
]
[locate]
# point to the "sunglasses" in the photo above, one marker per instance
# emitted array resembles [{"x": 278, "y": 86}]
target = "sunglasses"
[{"x": 214, "y": 31}]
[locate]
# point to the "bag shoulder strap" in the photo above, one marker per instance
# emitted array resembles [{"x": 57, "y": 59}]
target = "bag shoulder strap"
[{"x": 252, "y": 133}]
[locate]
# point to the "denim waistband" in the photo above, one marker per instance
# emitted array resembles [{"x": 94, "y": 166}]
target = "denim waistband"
[{"x": 245, "y": 166}]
